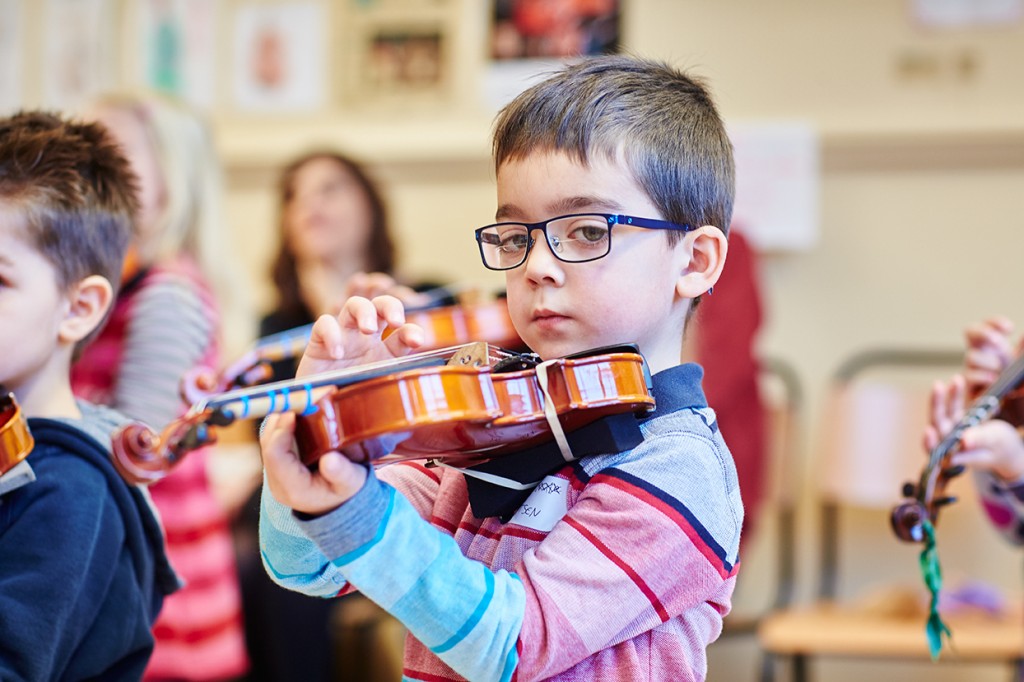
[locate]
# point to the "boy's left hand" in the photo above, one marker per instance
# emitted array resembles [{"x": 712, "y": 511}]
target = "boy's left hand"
[{"x": 335, "y": 480}]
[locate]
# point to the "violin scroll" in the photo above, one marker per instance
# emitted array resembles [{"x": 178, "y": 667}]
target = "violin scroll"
[
  {"x": 141, "y": 455},
  {"x": 908, "y": 521}
]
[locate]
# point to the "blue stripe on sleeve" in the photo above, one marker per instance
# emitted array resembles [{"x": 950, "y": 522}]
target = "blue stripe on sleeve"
[
  {"x": 474, "y": 618},
  {"x": 360, "y": 551}
]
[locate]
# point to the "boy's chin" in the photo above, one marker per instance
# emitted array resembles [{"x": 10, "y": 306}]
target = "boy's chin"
[{"x": 549, "y": 350}]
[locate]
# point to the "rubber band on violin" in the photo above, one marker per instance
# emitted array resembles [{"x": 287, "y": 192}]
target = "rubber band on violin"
[
  {"x": 444, "y": 326},
  {"x": 460, "y": 405}
]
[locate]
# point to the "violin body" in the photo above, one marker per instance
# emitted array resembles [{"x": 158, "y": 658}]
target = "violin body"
[
  {"x": 494, "y": 415},
  {"x": 15, "y": 438}
]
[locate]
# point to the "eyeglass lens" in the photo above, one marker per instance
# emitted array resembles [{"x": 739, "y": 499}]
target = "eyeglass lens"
[{"x": 572, "y": 238}]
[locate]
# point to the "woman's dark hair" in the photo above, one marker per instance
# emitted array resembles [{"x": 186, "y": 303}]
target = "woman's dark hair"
[{"x": 381, "y": 256}]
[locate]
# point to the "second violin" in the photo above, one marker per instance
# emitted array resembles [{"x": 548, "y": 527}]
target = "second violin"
[{"x": 15, "y": 438}]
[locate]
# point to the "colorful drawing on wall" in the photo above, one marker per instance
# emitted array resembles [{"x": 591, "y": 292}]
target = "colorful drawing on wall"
[
  {"x": 279, "y": 57},
  {"x": 77, "y": 51},
  {"x": 178, "y": 39},
  {"x": 526, "y": 29}
]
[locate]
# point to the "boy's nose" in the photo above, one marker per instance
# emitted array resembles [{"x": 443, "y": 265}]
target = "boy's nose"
[{"x": 541, "y": 262}]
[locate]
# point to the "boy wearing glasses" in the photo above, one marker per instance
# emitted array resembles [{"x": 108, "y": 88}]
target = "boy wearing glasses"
[{"x": 615, "y": 181}]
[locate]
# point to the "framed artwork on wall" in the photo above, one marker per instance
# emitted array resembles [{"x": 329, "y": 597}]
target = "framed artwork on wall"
[
  {"x": 79, "y": 51},
  {"x": 279, "y": 58},
  {"x": 529, "y": 38},
  {"x": 177, "y": 48},
  {"x": 397, "y": 54},
  {"x": 553, "y": 29},
  {"x": 12, "y": 56}
]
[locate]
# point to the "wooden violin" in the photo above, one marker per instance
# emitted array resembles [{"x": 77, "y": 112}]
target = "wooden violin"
[
  {"x": 15, "y": 438},
  {"x": 444, "y": 326},
  {"x": 532, "y": 403},
  {"x": 924, "y": 499},
  {"x": 462, "y": 404}
]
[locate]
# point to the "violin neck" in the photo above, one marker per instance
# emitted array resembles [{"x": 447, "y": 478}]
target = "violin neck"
[
  {"x": 984, "y": 407},
  {"x": 1007, "y": 381},
  {"x": 301, "y": 395}
]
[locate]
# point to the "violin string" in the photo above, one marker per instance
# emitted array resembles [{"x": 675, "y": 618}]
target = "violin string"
[{"x": 329, "y": 379}]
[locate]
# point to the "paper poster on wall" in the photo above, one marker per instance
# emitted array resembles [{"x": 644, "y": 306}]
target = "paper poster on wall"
[
  {"x": 530, "y": 38},
  {"x": 279, "y": 59},
  {"x": 78, "y": 44},
  {"x": 778, "y": 181},
  {"x": 178, "y": 39},
  {"x": 12, "y": 49},
  {"x": 967, "y": 13}
]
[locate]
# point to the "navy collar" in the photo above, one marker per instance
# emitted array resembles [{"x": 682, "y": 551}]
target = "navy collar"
[{"x": 678, "y": 388}]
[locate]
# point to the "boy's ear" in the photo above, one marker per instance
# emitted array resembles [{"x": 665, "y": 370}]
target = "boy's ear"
[
  {"x": 707, "y": 247},
  {"x": 88, "y": 302}
]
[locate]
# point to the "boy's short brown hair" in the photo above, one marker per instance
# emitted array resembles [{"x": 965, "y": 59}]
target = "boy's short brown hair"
[
  {"x": 660, "y": 120},
  {"x": 75, "y": 191}
]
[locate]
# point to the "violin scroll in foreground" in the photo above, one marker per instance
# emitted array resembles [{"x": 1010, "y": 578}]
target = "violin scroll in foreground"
[{"x": 15, "y": 438}]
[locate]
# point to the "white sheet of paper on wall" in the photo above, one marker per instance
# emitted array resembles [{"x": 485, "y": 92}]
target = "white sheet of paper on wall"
[
  {"x": 778, "y": 179},
  {"x": 967, "y": 13}
]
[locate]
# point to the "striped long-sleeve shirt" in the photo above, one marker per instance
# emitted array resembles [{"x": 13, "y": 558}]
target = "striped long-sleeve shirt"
[
  {"x": 618, "y": 566},
  {"x": 1004, "y": 504}
]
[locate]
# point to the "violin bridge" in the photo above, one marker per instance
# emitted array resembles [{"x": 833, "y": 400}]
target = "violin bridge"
[{"x": 472, "y": 355}]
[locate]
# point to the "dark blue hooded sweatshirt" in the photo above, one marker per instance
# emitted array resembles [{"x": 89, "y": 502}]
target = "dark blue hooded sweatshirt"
[{"x": 83, "y": 572}]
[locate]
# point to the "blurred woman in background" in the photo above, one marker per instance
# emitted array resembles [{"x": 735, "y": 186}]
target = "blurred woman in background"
[{"x": 335, "y": 243}]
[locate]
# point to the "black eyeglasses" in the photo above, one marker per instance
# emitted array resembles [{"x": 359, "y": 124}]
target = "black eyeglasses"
[{"x": 574, "y": 238}]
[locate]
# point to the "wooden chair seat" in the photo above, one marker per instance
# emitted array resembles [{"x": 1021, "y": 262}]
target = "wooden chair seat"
[{"x": 830, "y": 629}]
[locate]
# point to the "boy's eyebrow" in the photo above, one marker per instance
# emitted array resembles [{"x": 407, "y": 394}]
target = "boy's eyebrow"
[{"x": 563, "y": 206}]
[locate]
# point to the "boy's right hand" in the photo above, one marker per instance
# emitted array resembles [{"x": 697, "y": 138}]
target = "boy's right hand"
[{"x": 292, "y": 483}]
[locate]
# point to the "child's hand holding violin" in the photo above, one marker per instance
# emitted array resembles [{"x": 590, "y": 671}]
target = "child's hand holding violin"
[
  {"x": 994, "y": 445},
  {"x": 352, "y": 338}
]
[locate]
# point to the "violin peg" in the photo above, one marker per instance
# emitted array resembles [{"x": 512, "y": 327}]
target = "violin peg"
[
  {"x": 943, "y": 501},
  {"x": 954, "y": 471},
  {"x": 909, "y": 489}
]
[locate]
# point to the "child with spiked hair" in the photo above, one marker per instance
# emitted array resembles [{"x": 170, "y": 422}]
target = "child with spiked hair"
[{"x": 83, "y": 571}]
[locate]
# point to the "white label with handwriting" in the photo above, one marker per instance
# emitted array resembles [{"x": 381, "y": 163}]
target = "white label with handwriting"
[{"x": 545, "y": 505}]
